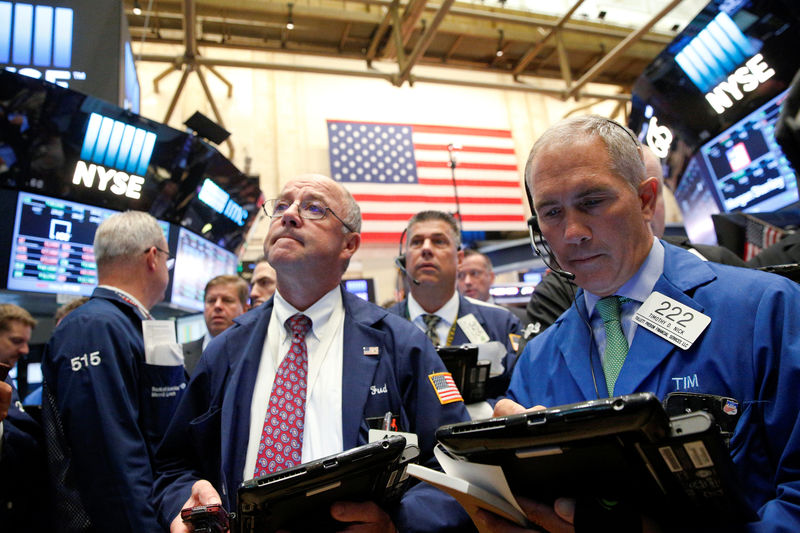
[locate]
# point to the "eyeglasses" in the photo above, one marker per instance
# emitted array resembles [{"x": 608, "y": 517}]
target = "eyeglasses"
[
  {"x": 309, "y": 210},
  {"x": 170, "y": 259}
]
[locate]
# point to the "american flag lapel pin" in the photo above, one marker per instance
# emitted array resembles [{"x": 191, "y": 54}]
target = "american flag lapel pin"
[{"x": 371, "y": 350}]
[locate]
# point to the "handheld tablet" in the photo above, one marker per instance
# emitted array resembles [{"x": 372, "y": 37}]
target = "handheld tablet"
[
  {"x": 616, "y": 449},
  {"x": 299, "y": 498}
]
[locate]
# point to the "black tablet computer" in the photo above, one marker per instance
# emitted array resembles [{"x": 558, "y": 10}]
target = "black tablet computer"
[
  {"x": 298, "y": 499},
  {"x": 621, "y": 448}
]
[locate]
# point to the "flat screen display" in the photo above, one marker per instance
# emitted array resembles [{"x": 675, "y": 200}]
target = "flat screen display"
[
  {"x": 363, "y": 288},
  {"x": 189, "y": 328},
  {"x": 51, "y": 247},
  {"x": 197, "y": 260},
  {"x": 741, "y": 169}
]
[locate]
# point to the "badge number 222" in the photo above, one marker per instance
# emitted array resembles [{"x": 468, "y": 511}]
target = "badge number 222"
[
  {"x": 675, "y": 311},
  {"x": 85, "y": 360}
]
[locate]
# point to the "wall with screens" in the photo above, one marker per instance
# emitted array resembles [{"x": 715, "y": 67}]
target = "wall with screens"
[
  {"x": 64, "y": 144},
  {"x": 728, "y": 61},
  {"x": 197, "y": 261}
]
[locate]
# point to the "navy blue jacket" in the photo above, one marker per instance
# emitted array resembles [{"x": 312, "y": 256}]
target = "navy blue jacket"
[
  {"x": 208, "y": 436},
  {"x": 113, "y": 408},
  {"x": 496, "y": 321},
  {"x": 750, "y": 351},
  {"x": 24, "y": 506}
]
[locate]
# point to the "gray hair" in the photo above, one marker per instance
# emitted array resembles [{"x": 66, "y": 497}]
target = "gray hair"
[
  {"x": 125, "y": 235},
  {"x": 624, "y": 151},
  {"x": 352, "y": 214},
  {"x": 424, "y": 216}
]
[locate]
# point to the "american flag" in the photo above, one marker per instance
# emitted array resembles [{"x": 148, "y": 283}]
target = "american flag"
[
  {"x": 397, "y": 170},
  {"x": 445, "y": 387},
  {"x": 759, "y": 235}
]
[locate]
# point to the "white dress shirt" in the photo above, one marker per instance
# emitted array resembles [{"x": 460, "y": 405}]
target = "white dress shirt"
[
  {"x": 448, "y": 314},
  {"x": 322, "y": 435}
]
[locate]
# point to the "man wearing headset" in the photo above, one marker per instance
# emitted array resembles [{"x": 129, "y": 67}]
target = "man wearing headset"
[
  {"x": 594, "y": 204},
  {"x": 554, "y": 294},
  {"x": 431, "y": 260}
]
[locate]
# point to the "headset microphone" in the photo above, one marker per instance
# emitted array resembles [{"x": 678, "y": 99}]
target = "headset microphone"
[
  {"x": 400, "y": 260},
  {"x": 533, "y": 231}
]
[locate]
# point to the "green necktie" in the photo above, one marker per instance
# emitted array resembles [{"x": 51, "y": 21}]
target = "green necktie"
[
  {"x": 430, "y": 328},
  {"x": 616, "y": 345}
]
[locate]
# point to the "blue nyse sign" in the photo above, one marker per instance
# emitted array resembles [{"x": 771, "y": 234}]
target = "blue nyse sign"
[
  {"x": 118, "y": 154},
  {"x": 36, "y": 41}
]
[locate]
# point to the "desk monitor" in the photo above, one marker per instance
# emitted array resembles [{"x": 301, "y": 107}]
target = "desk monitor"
[
  {"x": 363, "y": 288},
  {"x": 197, "y": 260}
]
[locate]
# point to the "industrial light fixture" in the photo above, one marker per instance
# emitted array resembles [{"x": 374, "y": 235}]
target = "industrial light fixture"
[
  {"x": 137, "y": 9},
  {"x": 499, "y": 52},
  {"x": 602, "y": 15},
  {"x": 290, "y": 20}
]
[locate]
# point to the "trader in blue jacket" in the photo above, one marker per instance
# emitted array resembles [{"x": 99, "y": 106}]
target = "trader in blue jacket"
[
  {"x": 23, "y": 466},
  {"x": 362, "y": 362},
  {"x": 739, "y": 331},
  {"x": 107, "y": 399},
  {"x": 430, "y": 260}
]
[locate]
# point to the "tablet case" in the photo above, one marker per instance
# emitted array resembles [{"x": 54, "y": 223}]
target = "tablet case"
[
  {"x": 298, "y": 499},
  {"x": 624, "y": 448}
]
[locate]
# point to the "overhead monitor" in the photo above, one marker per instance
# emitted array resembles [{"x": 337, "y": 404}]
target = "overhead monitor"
[
  {"x": 51, "y": 245},
  {"x": 741, "y": 169},
  {"x": 197, "y": 260}
]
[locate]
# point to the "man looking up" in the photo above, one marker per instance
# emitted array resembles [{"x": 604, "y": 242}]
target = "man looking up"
[
  {"x": 433, "y": 255},
  {"x": 360, "y": 362},
  {"x": 225, "y": 298},
  {"x": 112, "y": 396},
  {"x": 263, "y": 282},
  {"x": 594, "y": 205}
]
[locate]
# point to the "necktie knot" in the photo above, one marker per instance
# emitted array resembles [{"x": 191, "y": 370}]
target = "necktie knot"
[
  {"x": 299, "y": 325},
  {"x": 431, "y": 321},
  {"x": 609, "y": 308}
]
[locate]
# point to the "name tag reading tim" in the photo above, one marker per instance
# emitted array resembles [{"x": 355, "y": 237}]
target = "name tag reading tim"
[{"x": 671, "y": 320}]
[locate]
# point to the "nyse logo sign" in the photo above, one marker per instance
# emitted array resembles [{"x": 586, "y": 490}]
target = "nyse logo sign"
[
  {"x": 119, "y": 154},
  {"x": 36, "y": 41},
  {"x": 743, "y": 80}
]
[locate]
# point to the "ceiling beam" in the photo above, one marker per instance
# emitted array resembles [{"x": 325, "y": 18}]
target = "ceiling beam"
[
  {"x": 531, "y": 53},
  {"x": 618, "y": 50},
  {"x": 424, "y": 42}
]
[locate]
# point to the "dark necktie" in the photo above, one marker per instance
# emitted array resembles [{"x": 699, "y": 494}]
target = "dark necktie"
[
  {"x": 281, "y": 442},
  {"x": 431, "y": 321}
]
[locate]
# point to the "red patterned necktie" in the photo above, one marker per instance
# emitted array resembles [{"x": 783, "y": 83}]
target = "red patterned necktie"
[{"x": 281, "y": 443}]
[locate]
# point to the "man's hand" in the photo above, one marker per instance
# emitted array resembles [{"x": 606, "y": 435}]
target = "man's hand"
[
  {"x": 203, "y": 493},
  {"x": 556, "y": 519},
  {"x": 365, "y": 517},
  {"x": 5, "y": 399},
  {"x": 506, "y": 407}
]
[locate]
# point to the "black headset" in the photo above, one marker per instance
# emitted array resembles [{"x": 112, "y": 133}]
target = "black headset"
[{"x": 400, "y": 260}]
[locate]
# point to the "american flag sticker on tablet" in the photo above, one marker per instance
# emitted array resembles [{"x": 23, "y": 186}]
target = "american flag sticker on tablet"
[{"x": 445, "y": 387}]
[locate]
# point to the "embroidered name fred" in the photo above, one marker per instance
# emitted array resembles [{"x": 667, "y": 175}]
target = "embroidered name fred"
[{"x": 373, "y": 390}]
